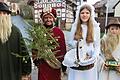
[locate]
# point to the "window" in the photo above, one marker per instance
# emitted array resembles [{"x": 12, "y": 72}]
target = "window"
[
  {"x": 40, "y": 0},
  {"x": 58, "y": 0},
  {"x": 49, "y": 0}
]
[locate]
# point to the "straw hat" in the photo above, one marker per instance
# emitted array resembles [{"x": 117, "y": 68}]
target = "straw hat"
[{"x": 113, "y": 21}]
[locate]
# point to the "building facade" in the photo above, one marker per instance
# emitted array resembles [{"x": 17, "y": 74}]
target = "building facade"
[
  {"x": 65, "y": 11},
  {"x": 117, "y": 9},
  {"x": 3, "y": 0}
]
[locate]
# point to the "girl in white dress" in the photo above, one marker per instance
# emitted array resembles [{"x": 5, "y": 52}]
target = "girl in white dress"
[{"x": 86, "y": 33}]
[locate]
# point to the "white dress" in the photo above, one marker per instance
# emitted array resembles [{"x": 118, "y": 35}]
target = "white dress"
[{"x": 92, "y": 48}]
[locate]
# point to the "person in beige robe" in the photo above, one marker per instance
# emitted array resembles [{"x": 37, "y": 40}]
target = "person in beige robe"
[{"x": 110, "y": 52}]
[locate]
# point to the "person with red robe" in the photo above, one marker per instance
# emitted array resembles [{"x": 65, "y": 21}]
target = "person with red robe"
[{"x": 46, "y": 70}]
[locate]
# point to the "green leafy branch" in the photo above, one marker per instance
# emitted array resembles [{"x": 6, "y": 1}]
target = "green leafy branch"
[{"x": 41, "y": 38}]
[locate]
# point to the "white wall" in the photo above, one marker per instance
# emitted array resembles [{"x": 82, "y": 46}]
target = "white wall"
[
  {"x": 111, "y": 4},
  {"x": 117, "y": 10}
]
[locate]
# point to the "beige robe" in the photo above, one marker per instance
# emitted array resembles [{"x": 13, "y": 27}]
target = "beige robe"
[{"x": 107, "y": 53}]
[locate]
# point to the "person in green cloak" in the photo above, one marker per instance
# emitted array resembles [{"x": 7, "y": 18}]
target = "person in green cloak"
[{"x": 15, "y": 63}]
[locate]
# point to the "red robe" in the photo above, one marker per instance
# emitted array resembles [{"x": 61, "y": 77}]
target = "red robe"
[{"x": 45, "y": 72}]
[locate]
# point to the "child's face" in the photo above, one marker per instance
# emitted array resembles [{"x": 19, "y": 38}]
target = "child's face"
[{"x": 114, "y": 29}]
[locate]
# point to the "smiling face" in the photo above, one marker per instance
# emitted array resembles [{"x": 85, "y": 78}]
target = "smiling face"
[
  {"x": 48, "y": 20},
  {"x": 84, "y": 15}
]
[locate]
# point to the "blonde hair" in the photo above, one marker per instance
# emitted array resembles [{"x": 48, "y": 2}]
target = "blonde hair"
[
  {"x": 112, "y": 41},
  {"x": 78, "y": 33},
  {"x": 5, "y": 27},
  {"x": 109, "y": 43}
]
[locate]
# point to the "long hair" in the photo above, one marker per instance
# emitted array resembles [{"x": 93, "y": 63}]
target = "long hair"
[
  {"x": 5, "y": 27},
  {"x": 109, "y": 43},
  {"x": 78, "y": 33}
]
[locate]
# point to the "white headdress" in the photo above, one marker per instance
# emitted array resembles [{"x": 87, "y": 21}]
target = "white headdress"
[
  {"x": 74, "y": 26},
  {"x": 92, "y": 11}
]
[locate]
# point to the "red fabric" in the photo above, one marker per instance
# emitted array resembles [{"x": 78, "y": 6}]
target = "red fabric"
[{"x": 45, "y": 72}]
